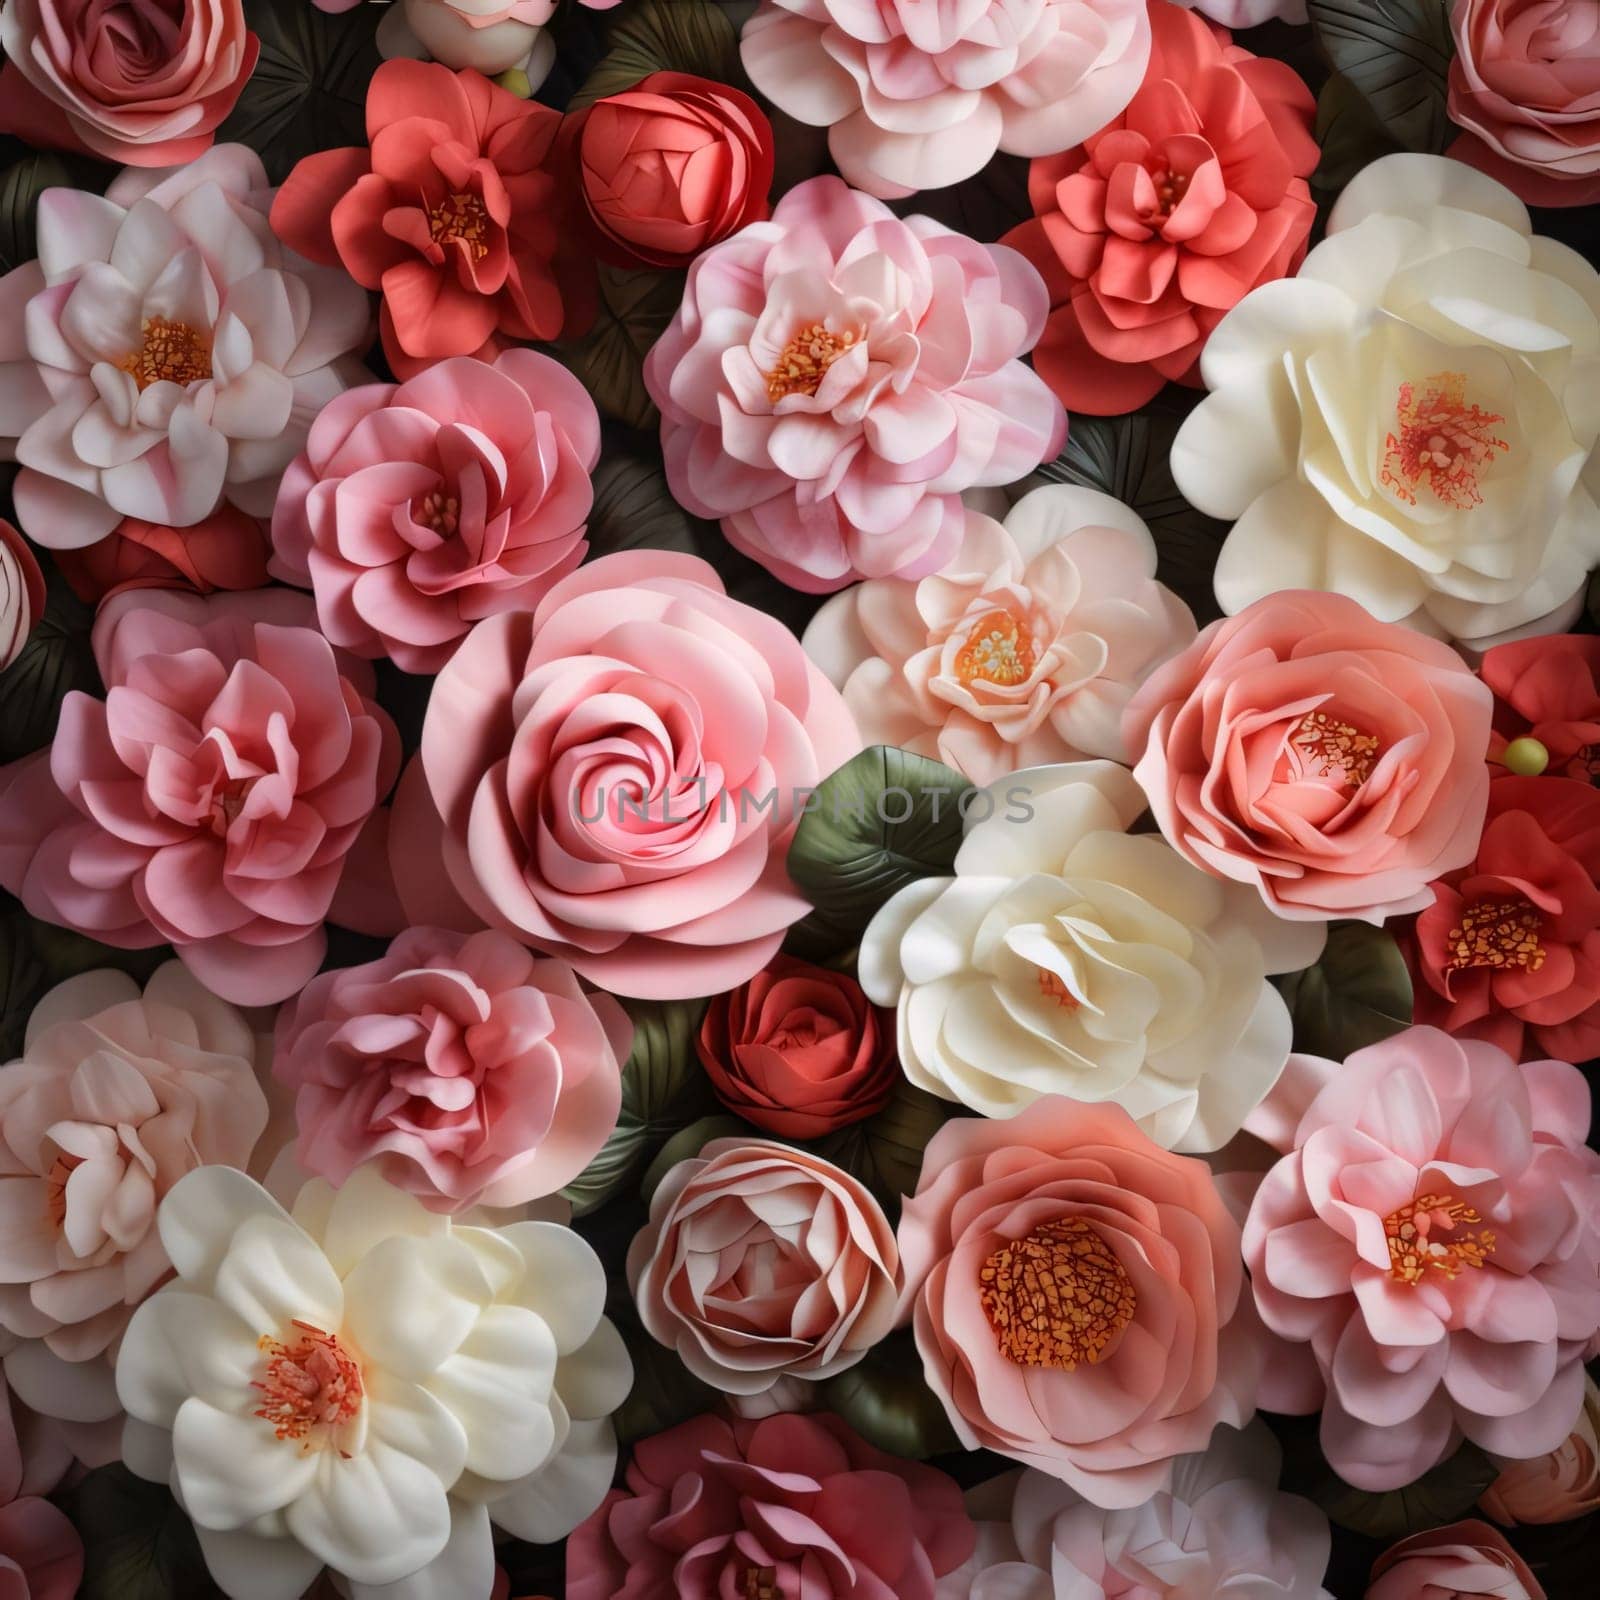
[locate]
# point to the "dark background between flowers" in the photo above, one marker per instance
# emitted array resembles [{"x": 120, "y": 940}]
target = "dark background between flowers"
[{"x": 1379, "y": 69}]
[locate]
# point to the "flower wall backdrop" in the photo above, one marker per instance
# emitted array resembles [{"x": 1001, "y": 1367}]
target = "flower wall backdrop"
[{"x": 799, "y": 799}]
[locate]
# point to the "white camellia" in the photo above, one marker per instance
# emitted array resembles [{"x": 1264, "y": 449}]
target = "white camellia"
[
  {"x": 365, "y": 1384},
  {"x": 1068, "y": 956},
  {"x": 1412, "y": 419}
]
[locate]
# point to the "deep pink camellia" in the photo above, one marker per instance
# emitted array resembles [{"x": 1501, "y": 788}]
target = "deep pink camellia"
[
  {"x": 1464, "y": 1561},
  {"x": 1162, "y": 221},
  {"x": 837, "y": 376},
  {"x": 472, "y": 1073},
  {"x": 418, "y": 509},
  {"x": 792, "y": 1505},
  {"x": 618, "y": 776},
  {"x": 211, "y": 799},
  {"x": 1548, "y": 689},
  {"x": 1431, "y": 1241}
]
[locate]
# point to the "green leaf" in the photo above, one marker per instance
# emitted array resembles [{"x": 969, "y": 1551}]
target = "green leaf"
[
  {"x": 21, "y": 184},
  {"x": 847, "y": 859},
  {"x": 137, "y": 1544},
  {"x": 22, "y": 977},
  {"x": 1396, "y": 55},
  {"x": 1357, "y": 994},
  {"x": 888, "y": 1402},
  {"x": 664, "y": 1391},
  {"x": 692, "y": 36},
  {"x": 1349, "y": 132},
  {"x": 309, "y": 89},
  {"x": 884, "y": 1151},
  {"x": 985, "y": 206},
  {"x": 1447, "y": 1492},
  {"x": 56, "y": 659},
  {"x": 688, "y": 1142},
  {"x": 664, "y": 1089},
  {"x": 634, "y": 310}
]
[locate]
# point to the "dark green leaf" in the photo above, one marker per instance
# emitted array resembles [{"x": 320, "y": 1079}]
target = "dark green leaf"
[
  {"x": 692, "y": 36},
  {"x": 1396, "y": 55},
  {"x": 985, "y": 206},
  {"x": 635, "y": 308},
  {"x": 688, "y": 1142},
  {"x": 888, "y": 1402},
  {"x": 1357, "y": 994},
  {"x": 55, "y": 660},
  {"x": 1349, "y": 132},
  {"x": 1440, "y": 1496},
  {"x": 22, "y": 977},
  {"x": 884, "y": 1151},
  {"x": 21, "y": 184},
  {"x": 847, "y": 859},
  {"x": 137, "y": 1544},
  {"x": 664, "y": 1391}
]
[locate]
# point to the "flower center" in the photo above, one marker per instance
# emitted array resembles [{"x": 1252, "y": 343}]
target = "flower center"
[
  {"x": 1171, "y": 187},
  {"x": 999, "y": 649},
  {"x": 441, "y": 512},
  {"x": 55, "y": 1187},
  {"x": 461, "y": 216},
  {"x": 1052, "y": 988},
  {"x": 1415, "y": 1244},
  {"x": 1324, "y": 747},
  {"x": 311, "y": 1383},
  {"x": 1057, "y": 1297},
  {"x": 172, "y": 352},
  {"x": 804, "y": 361},
  {"x": 1444, "y": 443},
  {"x": 760, "y": 1583},
  {"x": 1501, "y": 934}
]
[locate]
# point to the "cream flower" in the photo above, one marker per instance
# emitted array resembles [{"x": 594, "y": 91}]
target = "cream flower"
[
  {"x": 366, "y": 1384},
  {"x": 1412, "y": 420},
  {"x": 1067, "y": 956},
  {"x": 1022, "y": 650}
]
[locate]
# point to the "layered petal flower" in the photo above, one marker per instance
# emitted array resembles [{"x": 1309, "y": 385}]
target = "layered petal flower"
[
  {"x": 1548, "y": 689},
  {"x": 226, "y": 550},
  {"x": 22, "y": 593},
  {"x": 1465, "y": 1561},
  {"x": 1559, "y": 1487}
]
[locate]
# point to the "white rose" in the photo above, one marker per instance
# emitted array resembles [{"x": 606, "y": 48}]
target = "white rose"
[
  {"x": 1412, "y": 420},
  {"x": 1068, "y": 956}
]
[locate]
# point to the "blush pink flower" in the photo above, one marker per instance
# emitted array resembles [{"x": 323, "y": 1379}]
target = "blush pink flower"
[
  {"x": 1017, "y": 1223},
  {"x": 836, "y": 377},
  {"x": 421, "y": 508},
  {"x": 617, "y": 777},
  {"x": 917, "y": 96},
  {"x": 211, "y": 799},
  {"x": 792, "y": 1504},
  {"x": 469, "y": 1071},
  {"x": 1333, "y": 761},
  {"x": 1432, "y": 1241},
  {"x": 1465, "y": 1561}
]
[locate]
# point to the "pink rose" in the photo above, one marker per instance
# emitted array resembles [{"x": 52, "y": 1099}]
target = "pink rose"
[
  {"x": 789, "y": 1506},
  {"x": 472, "y": 1073},
  {"x": 211, "y": 799},
  {"x": 419, "y": 508},
  {"x": 1432, "y": 1242},
  {"x": 145, "y": 82},
  {"x": 1016, "y": 1227},
  {"x": 1464, "y": 1561},
  {"x": 1333, "y": 761},
  {"x": 1525, "y": 84},
  {"x": 761, "y": 1262},
  {"x": 617, "y": 774},
  {"x": 836, "y": 377},
  {"x": 22, "y": 593},
  {"x": 116, "y": 1096},
  {"x": 916, "y": 96}
]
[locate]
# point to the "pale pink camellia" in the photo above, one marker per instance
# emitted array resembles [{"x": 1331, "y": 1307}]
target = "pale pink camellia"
[
  {"x": 1017, "y": 1225},
  {"x": 469, "y": 1071},
  {"x": 618, "y": 775},
  {"x": 418, "y": 509},
  {"x": 213, "y": 799},
  {"x": 787, "y": 1506},
  {"x": 1023, "y": 650},
  {"x": 1431, "y": 1241},
  {"x": 762, "y": 1262},
  {"x": 1332, "y": 761},
  {"x": 917, "y": 96},
  {"x": 1464, "y": 1561},
  {"x": 117, "y": 1094},
  {"x": 837, "y": 376},
  {"x": 165, "y": 354}
]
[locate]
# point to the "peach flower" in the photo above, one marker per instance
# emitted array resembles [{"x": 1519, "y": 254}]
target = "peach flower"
[
  {"x": 761, "y": 1262},
  {"x": 1558, "y": 1487},
  {"x": 1024, "y": 649},
  {"x": 1465, "y": 1561},
  {"x": 1017, "y": 1224},
  {"x": 1333, "y": 761}
]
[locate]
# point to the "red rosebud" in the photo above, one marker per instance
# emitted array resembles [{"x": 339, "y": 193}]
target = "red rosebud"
[{"x": 226, "y": 550}]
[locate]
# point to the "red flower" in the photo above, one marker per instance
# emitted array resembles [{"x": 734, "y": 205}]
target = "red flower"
[
  {"x": 454, "y": 214},
  {"x": 1549, "y": 689},
  {"x": 1510, "y": 950},
  {"x": 226, "y": 550}
]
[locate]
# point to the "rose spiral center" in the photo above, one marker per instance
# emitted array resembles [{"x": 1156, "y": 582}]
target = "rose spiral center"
[
  {"x": 1500, "y": 934},
  {"x": 462, "y": 217},
  {"x": 311, "y": 1383},
  {"x": 804, "y": 361},
  {"x": 1057, "y": 1297},
  {"x": 999, "y": 649},
  {"x": 1321, "y": 746},
  {"x": 1423, "y": 1237},
  {"x": 172, "y": 352},
  {"x": 1444, "y": 443}
]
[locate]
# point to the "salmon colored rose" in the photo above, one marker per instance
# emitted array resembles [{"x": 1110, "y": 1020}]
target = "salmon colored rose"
[
  {"x": 1548, "y": 689},
  {"x": 1465, "y": 1561},
  {"x": 1151, "y": 229},
  {"x": 226, "y": 550},
  {"x": 1559, "y": 1487}
]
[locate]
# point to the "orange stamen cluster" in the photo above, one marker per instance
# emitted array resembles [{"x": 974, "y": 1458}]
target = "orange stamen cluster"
[
  {"x": 312, "y": 1383},
  {"x": 804, "y": 361},
  {"x": 1499, "y": 934},
  {"x": 461, "y": 216},
  {"x": 1328, "y": 748},
  {"x": 760, "y": 1583},
  {"x": 1057, "y": 1297},
  {"x": 1415, "y": 1247},
  {"x": 441, "y": 512},
  {"x": 171, "y": 352},
  {"x": 1443, "y": 443},
  {"x": 1171, "y": 187},
  {"x": 999, "y": 649},
  {"x": 1052, "y": 988}
]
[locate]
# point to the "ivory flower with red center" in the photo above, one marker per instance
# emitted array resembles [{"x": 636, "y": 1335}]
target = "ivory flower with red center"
[
  {"x": 165, "y": 355},
  {"x": 363, "y": 1385},
  {"x": 1408, "y": 421},
  {"x": 1023, "y": 649},
  {"x": 1068, "y": 956}
]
